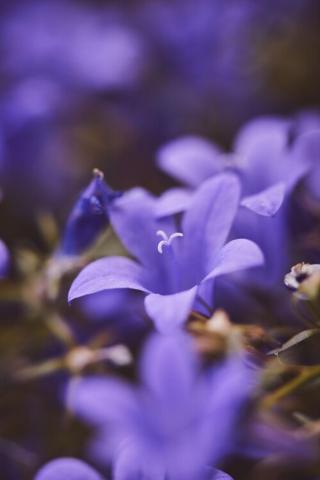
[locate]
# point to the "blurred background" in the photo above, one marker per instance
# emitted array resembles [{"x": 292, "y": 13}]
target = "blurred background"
[{"x": 103, "y": 84}]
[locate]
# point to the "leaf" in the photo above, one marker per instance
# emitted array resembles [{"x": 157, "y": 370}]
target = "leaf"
[{"x": 298, "y": 338}]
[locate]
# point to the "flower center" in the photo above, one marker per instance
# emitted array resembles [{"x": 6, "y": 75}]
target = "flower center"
[{"x": 166, "y": 240}]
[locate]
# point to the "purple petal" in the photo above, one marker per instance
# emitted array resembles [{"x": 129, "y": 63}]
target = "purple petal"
[
  {"x": 263, "y": 144},
  {"x": 267, "y": 202},
  {"x": 307, "y": 153},
  {"x": 105, "y": 274},
  {"x": 190, "y": 159},
  {"x": 231, "y": 386},
  {"x": 168, "y": 367},
  {"x": 207, "y": 222},
  {"x": 100, "y": 400},
  {"x": 169, "y": 312},
  {"x": 4, "y": 259},
  {"x": 269, "y": 131},
  {"x": 220, "y": 475},
  {"x": 236, "y": 255},
  {"x": 89, "y": 216},
  {"x": 307, "y": 146},
  {"x": 173, "y": 201},
  {"x": 68, "y": 469},
  {"x": 131, "y": 465},
  {"x": 135, "y": 221},
  {"x": 270, "y": 233}
]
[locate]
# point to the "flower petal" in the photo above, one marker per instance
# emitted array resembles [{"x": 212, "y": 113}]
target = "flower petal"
[
  {"x": 4, "y": 259},
  {"x": 261, "y": 131},
  {"x": 135, "y": 221},
  {"x": 190, "y": 159},
  {"x": 232, "y": 384},
  {"x": 100, "y": 400},
  {"x": 105, "y": 274},
  {"x": 236, "y": 255},
  {"x": 220, "y": 475},
  {"x": 89, "y": 216},
  {"x": 168, "y": 367},
  {"x": 307, "y": 153},
  {"x": 267, "y": 202},
  {"x": 170, "y": 311},
  {"x": 173, "y": 201},
  {"x": 264, "y": 144},
  {"x": 206, "y": 224},
  {"x": 67, "y": 468}
]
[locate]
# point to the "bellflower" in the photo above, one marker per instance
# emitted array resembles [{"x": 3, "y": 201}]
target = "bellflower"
[
  {"x": 172, "y": 264},
  {"x": 260, "y": 157},
  {"x": 152, "y": 430},
  {"x": 89, "y": 217},
  {"x": 268, "y": 168},
  {"x": 274, "y": 160}
]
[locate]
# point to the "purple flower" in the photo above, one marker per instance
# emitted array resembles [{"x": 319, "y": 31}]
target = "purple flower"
[
  {"x": 151, "y": 431},
  {"x": 260, "y": 157},
  {"x": 93, "y": 48},
  {"x": 269, "y": 168},
  {"x": 73, "y": 469},
  {"x": 172, "y": 264},
  {"x": 4, "y": 259},
  {"x": 89, "y": 217}
]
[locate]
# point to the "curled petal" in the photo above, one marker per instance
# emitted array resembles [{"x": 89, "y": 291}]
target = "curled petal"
[
  {"x": 267, "y": 202},
  {"x": 105, "y": 274},
  {"x": 220, "y": 475},
  {"x": 236, "y": 255}
]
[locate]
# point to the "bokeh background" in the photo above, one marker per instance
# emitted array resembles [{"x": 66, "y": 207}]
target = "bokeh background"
[{"x": 105, "y": 84}]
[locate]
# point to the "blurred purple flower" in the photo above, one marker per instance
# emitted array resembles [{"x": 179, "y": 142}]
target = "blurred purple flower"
[
  {"x": 153, "y": 429},
  {"x": 171, "y": 270},
  {"x": 121, "y": 310},
  {"x": 74, "y": 469},
  {"x": 87, "y": 46},
  {"x": 217, "y": 54},
  {"x": 260, "y": 157},
  {"x": 4, "y": 259},
  {"x": 269, "y": 168},
  {"x": 89, "y": 216}
]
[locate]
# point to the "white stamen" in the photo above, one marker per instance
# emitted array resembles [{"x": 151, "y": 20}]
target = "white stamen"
[
  {"x": 166, "y": 240},
  {"x": 162, "y": 234}
]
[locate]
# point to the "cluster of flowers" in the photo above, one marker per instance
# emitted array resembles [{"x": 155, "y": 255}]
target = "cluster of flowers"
[
  {"x": 226, "y": 231},
  {"x": 85, "y": 81}
]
